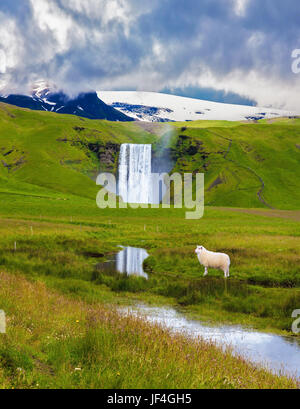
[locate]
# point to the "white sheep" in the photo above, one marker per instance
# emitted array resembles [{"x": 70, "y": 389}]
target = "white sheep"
[{"x": 209, "y": 259}]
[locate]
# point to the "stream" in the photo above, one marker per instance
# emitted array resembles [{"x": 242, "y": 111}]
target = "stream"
[{"x": 279, "y": 354}]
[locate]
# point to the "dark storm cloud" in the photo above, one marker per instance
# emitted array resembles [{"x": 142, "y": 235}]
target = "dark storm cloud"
[{"x": 81, "y": 44}]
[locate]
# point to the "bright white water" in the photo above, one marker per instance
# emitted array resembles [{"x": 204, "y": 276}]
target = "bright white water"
[
  {"x": 135, "y": 173},
  {"x": 130, "y": 261},
  {"x": 127, "y": 261}
]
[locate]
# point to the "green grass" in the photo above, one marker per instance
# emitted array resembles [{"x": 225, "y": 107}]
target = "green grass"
[
  {"x": 48, "y": 209},
  {"x": 246, "y": 166}
]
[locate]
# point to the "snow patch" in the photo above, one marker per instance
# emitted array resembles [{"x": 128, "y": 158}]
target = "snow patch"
[{"x": 158, "y": 107}]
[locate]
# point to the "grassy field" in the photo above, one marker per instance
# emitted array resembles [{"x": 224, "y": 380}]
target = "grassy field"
[
  {"x": 59, "y": 306},
  {"x": 52, "y": 235}
]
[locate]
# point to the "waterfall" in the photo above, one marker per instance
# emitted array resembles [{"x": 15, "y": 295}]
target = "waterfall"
[{"x": 135, "y": 173}]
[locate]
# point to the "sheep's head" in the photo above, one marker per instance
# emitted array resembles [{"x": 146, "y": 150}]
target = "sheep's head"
[{"x": 199, "y": 249}]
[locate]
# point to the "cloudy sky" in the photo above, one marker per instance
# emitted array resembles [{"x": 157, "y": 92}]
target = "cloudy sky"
[{"x": 223, "y": 49}]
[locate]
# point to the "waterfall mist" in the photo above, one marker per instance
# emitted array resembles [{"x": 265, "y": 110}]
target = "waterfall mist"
[{"x": 162, "y": 161}]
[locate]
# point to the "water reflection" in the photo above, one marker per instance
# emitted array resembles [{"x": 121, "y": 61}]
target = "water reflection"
[
  {"x": 278, "y": 353},
  {"x": 128, "y": 261}
]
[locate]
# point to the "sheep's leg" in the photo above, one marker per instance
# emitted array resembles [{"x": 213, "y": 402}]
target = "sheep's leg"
[
  {"x": 205, "y": 272},
  {"x": 226, "y": 273}
]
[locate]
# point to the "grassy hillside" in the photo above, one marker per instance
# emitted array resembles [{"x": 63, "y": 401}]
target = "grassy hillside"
[{"x": 245, "y": 165}]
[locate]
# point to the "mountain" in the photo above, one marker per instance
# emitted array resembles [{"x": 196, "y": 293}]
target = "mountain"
[
  {"x": 157, "y": 107},
  {"x": 139, "y": 106},
  {"x": 86, "y": 105}
]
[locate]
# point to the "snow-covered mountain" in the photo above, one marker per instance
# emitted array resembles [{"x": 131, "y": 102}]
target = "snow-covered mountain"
[
  {"x": 134, "y": 105},
  {"x": 157, "y": 107},
  {"x": 44, "y": 98}
]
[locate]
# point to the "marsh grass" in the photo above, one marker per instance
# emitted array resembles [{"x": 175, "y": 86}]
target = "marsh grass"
[{"x": 57, "y": 342}]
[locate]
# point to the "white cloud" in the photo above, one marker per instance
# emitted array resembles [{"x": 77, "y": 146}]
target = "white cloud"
[
  {"x": 240, "y": 7},
  {"x": 49, "y": 17},
  {"x": 256, "y": 40},
  {"x": 267, "y": 90}
]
